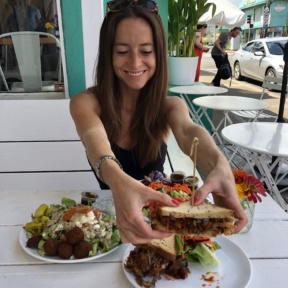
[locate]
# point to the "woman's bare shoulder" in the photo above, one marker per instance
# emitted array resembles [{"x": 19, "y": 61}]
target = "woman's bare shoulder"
[
  {"x": 174, "y": 102},
  {"x": 85, "y": 100}
]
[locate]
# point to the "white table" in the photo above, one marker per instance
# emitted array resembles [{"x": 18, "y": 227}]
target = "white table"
[
  {"x": 226, "y": 104},
  {"x": 265, "y": 245},
  {"x": 263, "y": 139},
  {"x": 188, "y": 94}
]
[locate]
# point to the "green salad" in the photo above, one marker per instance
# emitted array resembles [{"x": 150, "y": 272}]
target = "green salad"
[{"x": 60, "y": 230}]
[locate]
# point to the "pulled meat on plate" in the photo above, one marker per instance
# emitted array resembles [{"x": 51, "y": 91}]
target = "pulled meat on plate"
[{"x": 143, "y": 263}]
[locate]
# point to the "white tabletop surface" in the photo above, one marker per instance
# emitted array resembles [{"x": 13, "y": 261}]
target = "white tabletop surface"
[
  {"x": 198, "y": 90},
  {"x": 264, "y": 137},
  {"x": 230, "y": 103},
  {"x": 265, "y": 244}
]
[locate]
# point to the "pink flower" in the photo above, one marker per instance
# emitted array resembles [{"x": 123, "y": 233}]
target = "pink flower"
[{"x": 248, "y": 186}]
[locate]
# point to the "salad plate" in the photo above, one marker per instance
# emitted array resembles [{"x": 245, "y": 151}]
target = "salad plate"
[
  {"x": 234, "y": 270},
  {"x": 34, "y": 253}
]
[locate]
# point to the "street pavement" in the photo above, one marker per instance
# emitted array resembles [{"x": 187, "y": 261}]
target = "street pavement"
[{"x": 246, "y": 88}]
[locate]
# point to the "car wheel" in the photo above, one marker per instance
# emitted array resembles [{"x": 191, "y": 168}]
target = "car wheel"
[
  {"x": 237, "y": 71},
  {"x": 271, "y": 72}
]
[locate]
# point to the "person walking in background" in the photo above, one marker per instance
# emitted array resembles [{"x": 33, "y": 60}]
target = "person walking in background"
[
  {"x": 34, "y": 15},
  {"x": 18, "y": 18},
  {"x": 125, "y": 121},
  {"x": 219, "y": 53},
  {"x": 199, "y": 48}
]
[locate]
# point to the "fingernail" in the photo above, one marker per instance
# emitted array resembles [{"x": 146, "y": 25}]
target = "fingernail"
[
  {"x": 174, "y": 201},
  {"x": 196, "y": 200}
]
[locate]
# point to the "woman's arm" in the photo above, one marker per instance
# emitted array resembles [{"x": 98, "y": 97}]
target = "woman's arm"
[
  {"x": 199, "y": 45},
  {"x": 220, "y": 181},
  {"x": 130, "y": 196}
]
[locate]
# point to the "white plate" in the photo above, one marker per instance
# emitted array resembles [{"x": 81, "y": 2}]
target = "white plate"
[
  {"x": 34, "y": 253},
  {"x": 234, "y": 270}
]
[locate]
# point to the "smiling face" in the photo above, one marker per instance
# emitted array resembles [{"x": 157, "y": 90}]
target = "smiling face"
[{"x": 134, "y": 60}]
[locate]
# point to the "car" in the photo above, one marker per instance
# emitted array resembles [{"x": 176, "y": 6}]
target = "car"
[{"x": 259, "y": 58}]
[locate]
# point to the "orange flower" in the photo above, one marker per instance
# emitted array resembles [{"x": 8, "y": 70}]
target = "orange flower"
[{"x": 248, "y": 186}]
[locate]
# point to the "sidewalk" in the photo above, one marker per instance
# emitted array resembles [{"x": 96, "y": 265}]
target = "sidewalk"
[{"x": 248, "y": 88}]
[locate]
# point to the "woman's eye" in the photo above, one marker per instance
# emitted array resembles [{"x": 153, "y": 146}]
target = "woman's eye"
[
  {"x": 146, "y": 52},
  {"x": 121, "y": 52}
]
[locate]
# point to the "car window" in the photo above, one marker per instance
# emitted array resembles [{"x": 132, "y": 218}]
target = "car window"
[
  {"x": 258, "y": 46},
  {"x": 249, "y": 47},
  {"x": 274, "y": 48}
]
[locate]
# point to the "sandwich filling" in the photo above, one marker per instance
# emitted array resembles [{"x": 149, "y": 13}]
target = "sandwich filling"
[
  {"x": 204, "y": 226},
  {"x": 205, "y": 219}
]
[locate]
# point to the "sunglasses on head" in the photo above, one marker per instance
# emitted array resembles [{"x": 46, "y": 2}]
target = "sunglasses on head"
[{"x": 115, "y": 6}]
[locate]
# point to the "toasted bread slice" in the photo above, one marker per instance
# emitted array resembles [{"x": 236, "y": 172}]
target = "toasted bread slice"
[
  {"x": 164, "y": 247},
  {"x": 205, "y": 210}
]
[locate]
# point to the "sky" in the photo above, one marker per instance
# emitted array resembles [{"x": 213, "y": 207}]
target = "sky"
[{"x": 235, "y": 2}]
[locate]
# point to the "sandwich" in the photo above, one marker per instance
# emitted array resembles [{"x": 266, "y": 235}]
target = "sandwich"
[
  {"x": 147, "y": 262},
  {"x": 170, "y": 257},
  {"x": 204, "y": 220}
]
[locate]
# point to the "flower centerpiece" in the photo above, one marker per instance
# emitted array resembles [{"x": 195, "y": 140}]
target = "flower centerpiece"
[
  {"x": 249, "y": 188},
  {"x": 50, "y": 27}
]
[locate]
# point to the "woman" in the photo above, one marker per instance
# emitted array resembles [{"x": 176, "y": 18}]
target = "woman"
[
  {"x": 199, "y": 48},
  {"x": 128, "y": 113}
]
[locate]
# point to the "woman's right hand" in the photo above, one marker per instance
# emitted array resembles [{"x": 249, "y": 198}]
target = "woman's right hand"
[{"x": 130, "y": 196}]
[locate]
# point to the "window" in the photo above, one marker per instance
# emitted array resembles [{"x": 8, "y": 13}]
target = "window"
[
  {"x": 258, "y": 46},
  {"x": 274, "y": 47},
  {"x": 257, "y": 14},
  {"x": 249, "y": 47},
  {"x": 35, "y": 16}
]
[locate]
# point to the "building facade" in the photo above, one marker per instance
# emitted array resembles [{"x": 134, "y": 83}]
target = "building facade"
[{"x": 267, "y": 18}]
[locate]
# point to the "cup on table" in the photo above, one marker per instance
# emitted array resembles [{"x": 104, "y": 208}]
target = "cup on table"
[
  {"x": 177, "y": 177},
  {"x": 191, "y": 181},
  {"x": 88, "y": 198}
]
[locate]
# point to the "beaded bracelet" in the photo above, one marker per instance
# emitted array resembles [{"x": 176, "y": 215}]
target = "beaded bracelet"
[{"x": 101, "y": 160}]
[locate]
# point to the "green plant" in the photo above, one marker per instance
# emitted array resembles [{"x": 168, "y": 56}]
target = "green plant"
[{"x": 183, "y": 17}]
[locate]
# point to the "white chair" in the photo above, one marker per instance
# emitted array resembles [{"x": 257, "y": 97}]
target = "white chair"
[
  {"x": 270, "y": 83},
  {"x": 28, "y": 46}
]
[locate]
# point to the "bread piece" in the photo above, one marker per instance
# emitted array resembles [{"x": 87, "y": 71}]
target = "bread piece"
[
  {"x": 164, "y": 247},
  {"x": 205, "y": 210}
]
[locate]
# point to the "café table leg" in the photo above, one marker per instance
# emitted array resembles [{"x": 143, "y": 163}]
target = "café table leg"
[
  {"x": 192, "y": 111},
  {"x": 215, "y": 133},
  {"x": 261, "y": 163}
]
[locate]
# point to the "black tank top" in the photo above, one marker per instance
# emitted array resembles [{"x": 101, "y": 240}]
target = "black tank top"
[{"x": 131, "y": 167}]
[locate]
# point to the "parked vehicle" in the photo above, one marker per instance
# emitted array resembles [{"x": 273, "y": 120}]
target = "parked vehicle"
[{"x": 259, "y": 58}]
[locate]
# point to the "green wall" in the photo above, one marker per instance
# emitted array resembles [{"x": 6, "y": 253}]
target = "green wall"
[{"x": 73, "y": 41}]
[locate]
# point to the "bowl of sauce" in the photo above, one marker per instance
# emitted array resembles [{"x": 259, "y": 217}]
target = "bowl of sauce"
[{"x": 88, "y": 198}]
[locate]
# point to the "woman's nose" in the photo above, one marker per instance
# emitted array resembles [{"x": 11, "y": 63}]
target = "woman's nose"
[{"x": 135, "y": 60}]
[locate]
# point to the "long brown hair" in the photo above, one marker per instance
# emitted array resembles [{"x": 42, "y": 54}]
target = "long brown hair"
[{"x": 148, "y": 124}]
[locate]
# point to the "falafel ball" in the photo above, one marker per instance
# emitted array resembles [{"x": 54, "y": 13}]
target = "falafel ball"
[
  {"x": 65, "y": 250},
  {"x": 50, "y": 247},
  {"x": 33, "y": 241},
  {"x": 82, "y": 249},
  {"x": 75, "y": 235}
]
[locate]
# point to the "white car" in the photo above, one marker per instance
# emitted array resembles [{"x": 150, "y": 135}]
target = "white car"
[{"x": 259, "y": 58}]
